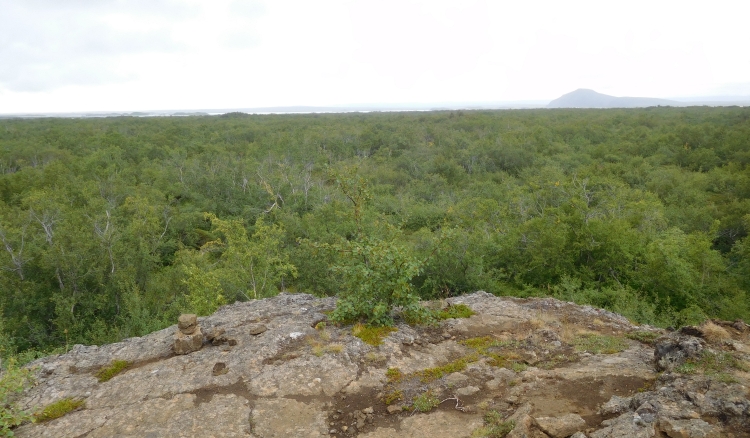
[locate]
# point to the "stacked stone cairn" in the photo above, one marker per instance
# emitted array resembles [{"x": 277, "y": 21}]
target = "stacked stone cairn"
[{"x": 189, "y": 336}]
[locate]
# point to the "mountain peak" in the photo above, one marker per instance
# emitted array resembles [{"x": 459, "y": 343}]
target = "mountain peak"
[{"x": 586, "y": 98}]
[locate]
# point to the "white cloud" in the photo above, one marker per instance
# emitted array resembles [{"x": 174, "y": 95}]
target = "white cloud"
[{"x": 78, "y": 55}]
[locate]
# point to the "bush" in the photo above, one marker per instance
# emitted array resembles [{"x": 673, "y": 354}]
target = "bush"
[
  {"x": 376, "y": 276},
  {"x": 494, "y": 426},
  {"x": 425, "y": 402},
  {"x": 13, "y": 381}
]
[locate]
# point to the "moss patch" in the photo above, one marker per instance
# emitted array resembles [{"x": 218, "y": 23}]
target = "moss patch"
[
  {"x": 393, "y": 397},
  {"x": 431, "y": 374},
  {"x": 598, "y": 344},
  {"x": 455, "y": 311},
  {"x": 394, "y": 375},
  {"x": 484, "y": 346},
  {"x": 58, "y": 409},
  {"x": 372, "y": 335},
  {"x": 111, "y": 370}
]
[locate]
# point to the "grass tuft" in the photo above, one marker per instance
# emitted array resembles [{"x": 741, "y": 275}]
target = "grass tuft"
[
  {"x": 642, "y": 336},
  {"x": 58, "y": 409},
  {"x": 598, "y": 344},
  {"x": 371, "y": 335},
  {"x": 113, "y": 369},
  {"x": 494, "y": 426},
  {"x": 714, "y": 334},
  {"x": 713, "y": 364}
]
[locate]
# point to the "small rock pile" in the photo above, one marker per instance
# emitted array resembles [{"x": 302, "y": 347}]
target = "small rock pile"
[{"x": 189, "y": 336}]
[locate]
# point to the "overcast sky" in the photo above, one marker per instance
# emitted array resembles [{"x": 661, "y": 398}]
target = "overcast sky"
[{"x": 124, "y": 55}]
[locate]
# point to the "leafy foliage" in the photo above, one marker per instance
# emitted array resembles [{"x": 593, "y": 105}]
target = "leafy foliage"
[
  {"x": 233, "y": 266},
  {"x": 376, "y": 278},
  {"x": 12, "y": 381},
  {"x": 104, "y": 232}
]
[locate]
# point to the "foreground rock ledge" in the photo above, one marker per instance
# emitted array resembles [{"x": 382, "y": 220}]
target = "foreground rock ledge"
[{"x": 265, "y": 371}]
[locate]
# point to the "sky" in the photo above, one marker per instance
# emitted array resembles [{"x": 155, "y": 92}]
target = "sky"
[{"x": 117, "y": 55}]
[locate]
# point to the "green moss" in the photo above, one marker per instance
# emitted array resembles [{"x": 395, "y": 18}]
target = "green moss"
[
  {"x": 58, "y": 409},
  {"x": 494, "y": 426},
  {"x": 455, "y": 311},
  {"x": 431, "y": 374},
  {"x": 394, "y": 375},
  {"x": 370, "y": 334},
  {"x": 393, "y": 397},
  {"x": 425, "y": 402},
  {"x": 113, "y": 369},
  {"x": 598, "y": 344},
  {"x": 484, "y": 343},
  {"x": 643, "y": 336}
]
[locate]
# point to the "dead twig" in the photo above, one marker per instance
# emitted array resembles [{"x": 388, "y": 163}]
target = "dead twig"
[{"x": 458, "y": 403}]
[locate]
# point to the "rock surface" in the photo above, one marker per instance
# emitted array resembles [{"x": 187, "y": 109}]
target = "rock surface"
[
  {"x": 267, "y": 368},
  {"x": 561, "y": 427}
]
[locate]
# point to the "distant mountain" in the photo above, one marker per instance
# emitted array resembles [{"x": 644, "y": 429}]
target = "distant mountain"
[{"x": 583, "y": 98}]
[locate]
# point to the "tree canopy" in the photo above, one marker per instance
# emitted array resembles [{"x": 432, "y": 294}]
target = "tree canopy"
[{"x": 111, "y": 227}]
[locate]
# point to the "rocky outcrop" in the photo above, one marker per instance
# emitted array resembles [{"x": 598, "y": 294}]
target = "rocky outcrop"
[
  {"x": 672, "y": 351},
  {"x": 269, "y": 368}
]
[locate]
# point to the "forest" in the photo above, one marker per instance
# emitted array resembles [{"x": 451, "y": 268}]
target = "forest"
[{"x": 112, "y": 227}]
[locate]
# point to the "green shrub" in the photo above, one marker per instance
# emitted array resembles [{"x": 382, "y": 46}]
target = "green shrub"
[
  {"x": 376, "y": 276},
  {"x": 113, "y": 369},
  {"x": 425, "y": 402},
  {"x": 58, "y": 409},
  {"x": 14, "y": 380},
  {"x": 494, "y": 426}
]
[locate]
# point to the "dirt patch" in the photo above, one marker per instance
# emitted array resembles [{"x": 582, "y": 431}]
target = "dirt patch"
[
  {"x": 205, "y": 394},
  {"x": 581, "y": 396},
  {"x": 343, "y": 413}
]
